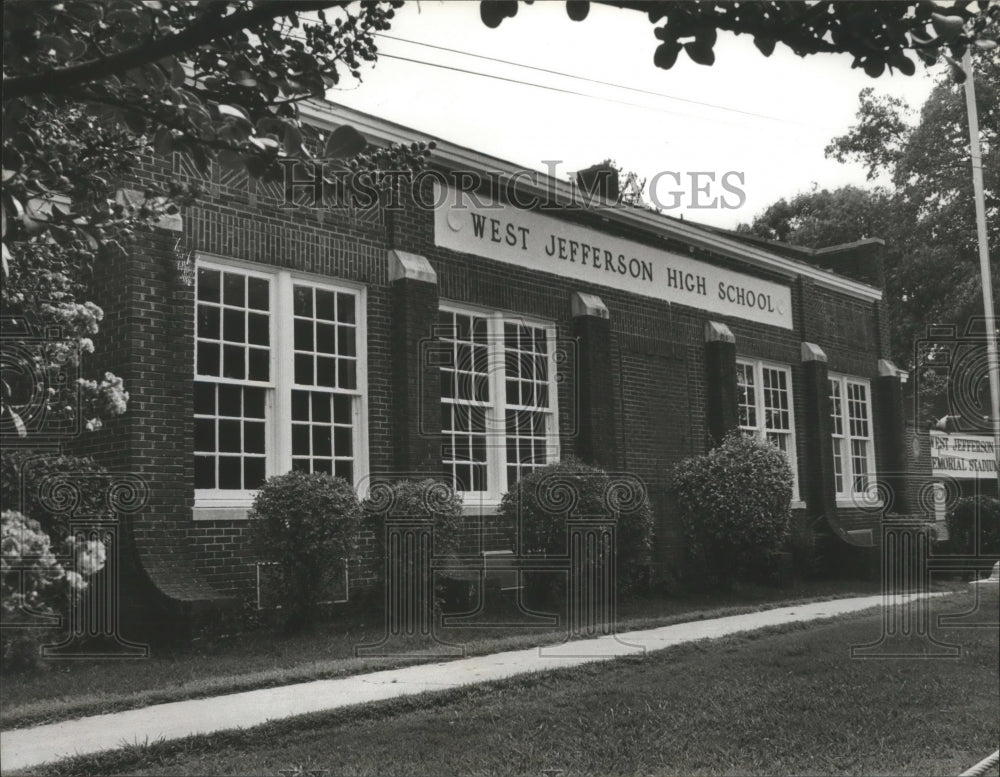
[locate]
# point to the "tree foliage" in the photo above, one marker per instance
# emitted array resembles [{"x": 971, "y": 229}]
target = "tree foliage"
[
  {"x": 926, "y": 214},
  {"x": 91, "y": 87},
  {"x": 879, "y": 35}
]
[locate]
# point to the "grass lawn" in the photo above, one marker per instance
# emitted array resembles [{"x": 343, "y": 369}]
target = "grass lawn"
[
  {"x": 783, "y": 701},
  {"x": 67, "y": 689}
]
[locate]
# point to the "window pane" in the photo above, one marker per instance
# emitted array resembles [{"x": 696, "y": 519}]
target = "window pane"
[
  {"x": 258, "y": 332},
  {"x": 325, "y": 305},
  {"x": 253, "y": 472},
  {"x": 257, "y": 293},
  {"x": 347, "y": 374},
  {"x": 204, "y": 398},
  {"x": 302, "y": 301},
  {"x": 303, "y": 334},
  {"x": 322, "y": 441},
  {"x": 326, "y": 338},
  {"x": 304, "y": 369},
  {"x": 344, "y": 469},
  {"x": 253, "y": 402},
  {"x": 345, "y": 341},
  {"x": 300, "y": 440},
  {"x": 300, "y": 405},
  {"x": 233, "y": 362},
  {"x": 345, "y": 308},
  {"x": 208, "y": 358},
  {"x": 343, "y": 441},
  {"x": 208, "y": 285},
  {"x": 204, "y": 472},
  {"x": 260, "y": 365},
  {"x": 233, "y": 289},
  {"x": 325, "y": 372},
  {"x": 253, "y": 437},
  {"x": 234, "y": 326},
  {"x": 208, "y": 322},
  {"x": 204, "y": 435},
  {"x": 230, "y": 472},
  {"x": 342, "y": 409},
  {"x": 230, "y": 437},
  {"x": 230, "y": 400}
]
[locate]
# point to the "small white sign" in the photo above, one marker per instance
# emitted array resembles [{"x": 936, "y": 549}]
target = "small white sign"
[
  {"x": 963, "y": 456},
  {"x": 474, "y": 225}
]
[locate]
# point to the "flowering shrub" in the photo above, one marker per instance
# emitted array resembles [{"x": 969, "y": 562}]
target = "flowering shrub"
[
  {"x": 307, "y": 523},
  {"x": 734, "y": 503},
  {"x": 22, "y": 473},
  {"x": 546, "y": 499},
  {"x": 34, "y": 584}
]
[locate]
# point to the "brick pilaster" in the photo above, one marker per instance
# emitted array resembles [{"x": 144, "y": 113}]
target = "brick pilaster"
[
  {"x": 597, "y": 442},
  {"x": 722, "y": 410},
  {"x": 416, "y": 379},
  {"x": 890, "y": 429},
  {"x": 818, "y": 487}
]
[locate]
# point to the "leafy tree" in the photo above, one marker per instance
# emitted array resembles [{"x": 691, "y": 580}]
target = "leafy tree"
[
  {"x": 879, "y": 35},
  {"x": 926, "y": 215},
  {"x": 823, "y": 218},
  {"x": 93, "y": 86}
]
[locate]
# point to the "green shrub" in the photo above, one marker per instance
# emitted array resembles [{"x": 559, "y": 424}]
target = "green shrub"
[
  {"x": 35, "y": 586},
  {"x": 734, "y": 504},
  {"x": 308, "y": 524},
  {"x": 541, "y": 503},
  {"x": 962, "y": 521},
  {"x": 22, "y": 472},
  {"x": 428, "y": 498}
]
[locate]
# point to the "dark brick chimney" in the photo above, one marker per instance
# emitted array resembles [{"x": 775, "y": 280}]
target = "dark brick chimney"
[{"x": 599, "y": 182}]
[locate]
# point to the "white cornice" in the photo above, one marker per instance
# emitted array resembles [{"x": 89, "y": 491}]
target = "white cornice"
[{"x": 328, "y": 115}]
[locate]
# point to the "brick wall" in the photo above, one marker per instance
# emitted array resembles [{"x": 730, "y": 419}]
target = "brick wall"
[{"x": 657, "y": 356}]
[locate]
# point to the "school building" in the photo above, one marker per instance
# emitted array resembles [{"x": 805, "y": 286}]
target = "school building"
[{"x": 474, "y": 329}]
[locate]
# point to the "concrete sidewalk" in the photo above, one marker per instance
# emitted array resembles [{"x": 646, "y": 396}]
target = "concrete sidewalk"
[{"x": 33, "y": 746}]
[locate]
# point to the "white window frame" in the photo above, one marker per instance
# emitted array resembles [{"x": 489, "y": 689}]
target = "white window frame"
[
  {"x": 496, "y": 436},
  {"x": 760, "y": 432},
  {"x": 848, "y": 494},
  {"x": 215, "y": 504}
]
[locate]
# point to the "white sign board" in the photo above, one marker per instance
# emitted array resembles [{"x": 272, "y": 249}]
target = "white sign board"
[
  {"x": 475, "y": 225},
  {"x": 964, "y": 456}
]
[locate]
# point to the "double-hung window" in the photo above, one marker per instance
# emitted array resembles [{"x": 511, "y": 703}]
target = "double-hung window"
[
  {"x": 764, "y": 394},
  {"x": 279, "y": 380},
  {"x": 498, "y": 399},
  {"x": 851, "y": 426}
]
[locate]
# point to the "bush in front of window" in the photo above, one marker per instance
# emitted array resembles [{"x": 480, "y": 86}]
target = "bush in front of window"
[
  {"x": 962, "y": 526},
  {"x": 432, "y": 500},
  {"x": 543, "y": 504},
  {"x": 734, "y": 504},
  {"x": 308, "y": 525}
]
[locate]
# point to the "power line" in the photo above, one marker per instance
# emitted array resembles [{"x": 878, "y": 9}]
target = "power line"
[
  {"x": 581, "y": 78},
  {"x": 530, "y": 83}
]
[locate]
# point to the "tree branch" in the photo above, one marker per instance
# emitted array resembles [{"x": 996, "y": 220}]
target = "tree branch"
[{"x": 205, "y": 30}]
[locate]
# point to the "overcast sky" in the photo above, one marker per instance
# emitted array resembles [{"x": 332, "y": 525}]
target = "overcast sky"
[{"x": 767, "y": 118}]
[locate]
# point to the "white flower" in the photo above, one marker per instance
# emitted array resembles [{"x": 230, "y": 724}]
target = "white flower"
[{"x": 76, "y": 581}]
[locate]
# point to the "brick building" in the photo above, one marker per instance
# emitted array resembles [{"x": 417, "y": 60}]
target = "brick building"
[{"x": 472, "y": 339}]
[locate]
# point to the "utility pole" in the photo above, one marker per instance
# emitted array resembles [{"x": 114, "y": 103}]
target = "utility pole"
[{"x": 992, "y": 360}]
